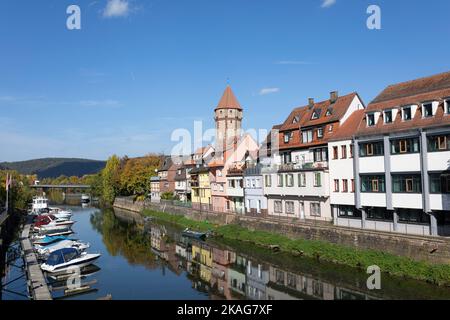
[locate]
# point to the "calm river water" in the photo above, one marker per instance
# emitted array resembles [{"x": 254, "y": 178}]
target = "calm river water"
[{"x": 153, "y": 261}]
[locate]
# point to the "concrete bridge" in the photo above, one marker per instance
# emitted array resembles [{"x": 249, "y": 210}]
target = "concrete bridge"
[{"x": 61, "y": 186}]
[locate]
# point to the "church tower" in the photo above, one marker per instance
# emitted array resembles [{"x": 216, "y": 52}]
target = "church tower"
[{"x": 228, "y": 118}]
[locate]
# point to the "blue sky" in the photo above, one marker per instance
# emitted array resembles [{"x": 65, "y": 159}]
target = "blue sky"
[{"x": 139, "y": 69}]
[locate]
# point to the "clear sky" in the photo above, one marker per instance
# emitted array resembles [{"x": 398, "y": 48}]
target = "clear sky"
[{"x": 139, "y": 69}]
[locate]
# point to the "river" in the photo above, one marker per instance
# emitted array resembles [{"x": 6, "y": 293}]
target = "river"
[{"x": 153, "y": 261}]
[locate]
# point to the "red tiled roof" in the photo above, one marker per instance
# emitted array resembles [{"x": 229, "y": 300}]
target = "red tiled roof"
[
  {"x": 348, "y": 129},
  {"x": 330, "y": 123},
  {"x": 415, "y": 92},
  {"x": 228, "y": 100}
]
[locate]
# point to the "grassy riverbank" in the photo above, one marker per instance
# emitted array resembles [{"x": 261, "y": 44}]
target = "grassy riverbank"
[{"x": 388, "y": 263}]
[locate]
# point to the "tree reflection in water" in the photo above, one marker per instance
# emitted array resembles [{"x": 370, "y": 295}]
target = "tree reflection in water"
[{"x": 123, "y": 238}]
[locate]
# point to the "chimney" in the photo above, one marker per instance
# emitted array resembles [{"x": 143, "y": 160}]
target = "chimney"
[
  {"x": 311, "y": 103},
  {"x": 333, "y": 96}
]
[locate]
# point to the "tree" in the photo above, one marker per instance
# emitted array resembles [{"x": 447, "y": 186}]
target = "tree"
[
  {"x": 110, "y": 179},
  {"x": 136, "y": 173}
]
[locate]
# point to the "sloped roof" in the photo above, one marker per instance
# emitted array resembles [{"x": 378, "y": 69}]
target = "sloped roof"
[
  {"x": 350, "y": 126},
  {"x": 228, "y": 100},
  {"x": 414, "y": 92}
]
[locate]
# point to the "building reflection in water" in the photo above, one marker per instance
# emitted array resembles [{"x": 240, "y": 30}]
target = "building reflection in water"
[{"x": 226, "y": 274}]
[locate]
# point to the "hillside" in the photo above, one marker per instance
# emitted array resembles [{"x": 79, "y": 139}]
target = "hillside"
[{"x": 55, "y": 167}]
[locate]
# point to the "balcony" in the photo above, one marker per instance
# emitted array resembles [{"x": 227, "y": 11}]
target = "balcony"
[{"x": 295, "y": 167}]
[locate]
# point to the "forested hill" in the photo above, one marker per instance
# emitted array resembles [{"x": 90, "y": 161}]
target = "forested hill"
[{"x": 55, "y": 167}]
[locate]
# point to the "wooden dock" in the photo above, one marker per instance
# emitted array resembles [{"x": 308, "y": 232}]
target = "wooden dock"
[{"x": 37, "y": 284}]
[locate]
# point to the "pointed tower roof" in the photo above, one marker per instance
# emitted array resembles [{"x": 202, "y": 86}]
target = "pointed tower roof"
[{"x": 228, "y": 100}]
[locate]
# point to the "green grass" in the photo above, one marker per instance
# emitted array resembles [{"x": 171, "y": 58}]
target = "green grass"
[{"x": 398, "y": 266}]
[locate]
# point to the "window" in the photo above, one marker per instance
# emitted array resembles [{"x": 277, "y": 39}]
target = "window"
[
  {"x": 335, "y": 153},
  {"x": 280, "y": 180},
  {"x": 286, "y": 157},
  {"x": 253, "y": 183},
  {"x": 247, "y": 183},
  {"x": 427, "y": 110},
  {"x": 353, "y": 185},
  {"x": 219, "y": 173},
  {"x": 268, "y": 181},
  {"x": 316, "y": 114},
  {"x": 231, "y": 183},
  {"x": 295, "y": 120},
  {"x": 289, "y": 207},
  {"x": 289, "y": 180},
  {"x": 373, "y": 183},
  {"x": 411, "y": 145},
  {"x": 388, "y": 116},
  {"x": 288, "y": 136},
  {"x": 317, "y": 179},
  {"x": 371, "y": 119},
  {"x": 379, "y": 214},
  {"x": 345, "y": 185},
  {"x": 413, "y": 216},
  {"x": 371, "y": 149},
  {"x": 330, "y": 128},
  {"x": 278, "y": 206},
  {"x": 307, "y": 136},
  {"x": 351, "y": 151},
  {"x": 349, "y": 212},
  {"x": 440, "y": 183},
  {"x": 320, "y": 155},
  {"x": 302, "y": 180},
  {"x": 336, "y": 185},
  {"x": 439, "y": 143},
  {"x": 329, "y": 112},
  {"x": 315, "y": 209},
  {"x": 320, "y": 133},
  {"x": 406, "y": 183},
  {"x": 291, "y": 280},
  {"x": 343, "y": 152},
  {"x": 406, "y": 113},
  {"x": 447, "y": 106}
]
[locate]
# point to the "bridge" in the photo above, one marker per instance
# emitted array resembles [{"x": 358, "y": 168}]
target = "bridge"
[{"x": 61, "y": 186}]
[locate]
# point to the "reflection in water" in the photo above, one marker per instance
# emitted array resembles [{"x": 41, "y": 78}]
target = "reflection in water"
[
  {"x": 124, "y": 238},
  {"x": 235, "y": 272}
]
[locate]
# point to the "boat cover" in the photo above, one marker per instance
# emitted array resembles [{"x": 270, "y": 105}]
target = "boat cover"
[{"x": 61, "y": 256}]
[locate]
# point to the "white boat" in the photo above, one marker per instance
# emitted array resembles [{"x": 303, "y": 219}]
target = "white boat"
[
  {"x": 51, "y": 220},
  {"x": 67, "y": 258},
  {"x": 46, "y": 250},
  {"x": 60, "y": 213},
  {"x": 52, "y": 230},
  {"x": 39, "y": 205},
  {"x": 85, "y": 198}
]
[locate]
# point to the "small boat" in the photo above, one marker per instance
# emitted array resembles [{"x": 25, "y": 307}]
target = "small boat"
[
  {"x": 48, "y": 240},
  {"x": 85, "y": 198},
  {"x": 51, "y": 220},
  {"x": 46, "y": 250},
  {"x": 67, "y": 258},
  {"x": 56, "y": 233},
  {"x": 194, "y": 234},
  {"x": 52, "y": 229}
]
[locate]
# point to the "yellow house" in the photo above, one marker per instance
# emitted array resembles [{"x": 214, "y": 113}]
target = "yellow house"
[{"x": 201, "y": 188}]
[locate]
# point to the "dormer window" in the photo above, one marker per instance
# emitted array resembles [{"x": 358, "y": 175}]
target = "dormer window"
[
  {"x": 447, "y": 106},
  {"x": 388, "y": 116},
  {"x": 427, "y": 110},
  {"x": 371, "y": 119},
  {"x": 330, "y": 128},
  {"x": 406, "y": 114},
  {"x": 329, "y": 112},
  {"x": 295, "y": 120},
  {"x": 315, "y": 115}
]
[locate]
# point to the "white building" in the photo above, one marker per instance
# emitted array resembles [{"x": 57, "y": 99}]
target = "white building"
[{"x": 401, "y": 161}]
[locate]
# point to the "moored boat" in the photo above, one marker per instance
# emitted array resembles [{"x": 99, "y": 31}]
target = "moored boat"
[
  {"x": 46, "y": 250},
  {"x": 194, "y": 234},
  {"x": 67, "y": 258},
  {"x": 48, "y": 240}
]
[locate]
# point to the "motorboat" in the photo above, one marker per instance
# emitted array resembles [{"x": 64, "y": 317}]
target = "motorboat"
[
  {"x": 48, "y": 240},
  {"x": 68, "y": 258},
  {"x": 194, "y": 234},
  {"x": 46, "y": 250},
  {"x": 85, "y": 198},
  {"x": 52, "y": 229},
  {"x": 55, "y": 233},
  {"x": 60, "y": 213},
  {"x": 51, "y": 220},
  {"x": 39, "y": 204}
]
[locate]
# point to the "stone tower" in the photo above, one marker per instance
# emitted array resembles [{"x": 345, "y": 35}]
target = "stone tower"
[{"x": 228, "y": 118}]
